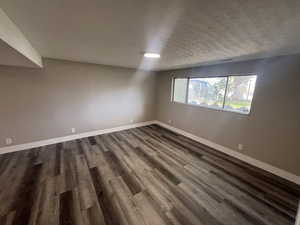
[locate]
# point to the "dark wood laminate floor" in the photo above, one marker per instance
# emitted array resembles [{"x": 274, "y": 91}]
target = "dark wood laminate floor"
[{"x": 142, "y": 176}]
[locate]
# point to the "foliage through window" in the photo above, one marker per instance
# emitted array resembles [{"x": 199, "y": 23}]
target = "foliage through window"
[
  {"x": 231, "y": 93},
  {"x": 239, "y": 95},
  {"x": 207, "y": 91}
]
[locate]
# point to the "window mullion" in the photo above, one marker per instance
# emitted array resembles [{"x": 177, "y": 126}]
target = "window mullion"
[
  {"x": 225, "y": 92},
  {"x": 187, "y": 90},
  {"x": 173, "y": 89}
]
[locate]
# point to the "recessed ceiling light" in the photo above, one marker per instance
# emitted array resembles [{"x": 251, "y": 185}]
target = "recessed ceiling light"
[{"x": 151, "y": 55}]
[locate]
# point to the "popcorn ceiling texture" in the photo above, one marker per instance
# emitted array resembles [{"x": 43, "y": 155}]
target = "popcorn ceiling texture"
[{"x": 185, "y": 32}]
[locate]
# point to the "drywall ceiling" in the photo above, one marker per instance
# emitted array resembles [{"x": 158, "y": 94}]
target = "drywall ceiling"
[{"x": 185, "y": 32}]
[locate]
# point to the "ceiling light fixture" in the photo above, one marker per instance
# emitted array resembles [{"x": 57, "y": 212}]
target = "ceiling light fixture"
[{"x": 151, "y": 55}]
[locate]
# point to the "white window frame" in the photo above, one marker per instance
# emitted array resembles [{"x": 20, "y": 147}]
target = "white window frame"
[
  {"x": 224, "y": 100},
  {"x": 173, "y": 89}
]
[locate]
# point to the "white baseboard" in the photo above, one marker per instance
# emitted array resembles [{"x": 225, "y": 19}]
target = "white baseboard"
[
  {"x": 254, "y": 162},
  {"x": 298, "y": 215},
  {"x": 36, "y": 144},
  {"x": 274, "y": 170}
]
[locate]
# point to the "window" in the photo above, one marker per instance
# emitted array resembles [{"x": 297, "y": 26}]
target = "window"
[
  {"x": 240, "y": 90},
  {"x": 180, "y": 90},
  {"x": 207, "y": 91},
  {"x": 230, "y": 93}
]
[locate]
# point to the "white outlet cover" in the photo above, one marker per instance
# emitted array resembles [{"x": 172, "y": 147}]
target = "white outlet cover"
[
  {"x": 8, "y": 141},
  {"x": 73, "y": 130},
  {"x": 240, "y": 147},
  {"x": 170, "y": 121}
]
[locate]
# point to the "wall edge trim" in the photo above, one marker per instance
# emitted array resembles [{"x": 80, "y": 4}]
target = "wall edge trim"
[
  {"x": 35, "y": 144},
  {"x": 254, "y": 162},
  {"x": 298, "y": 215}
]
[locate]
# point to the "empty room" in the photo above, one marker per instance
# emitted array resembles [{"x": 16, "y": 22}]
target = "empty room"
[{"x": 159, "y": 112}]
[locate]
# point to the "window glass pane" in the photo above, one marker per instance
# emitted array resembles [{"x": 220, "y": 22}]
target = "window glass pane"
[
  {"x": 240, "y": 93},
  {"x": 207, "y": 92},
  {"x": 180, "y": 86}
]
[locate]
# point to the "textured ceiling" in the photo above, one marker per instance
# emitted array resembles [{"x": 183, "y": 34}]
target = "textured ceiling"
[{"x": 185, "y": 32}]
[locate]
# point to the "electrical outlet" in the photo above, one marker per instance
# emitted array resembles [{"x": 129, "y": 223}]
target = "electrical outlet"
[
  {"x": 73, "y": 130},
  {"x": 169, "y": 121},
  {"x": 240, "y": 147},
  {"x": 8, "y": 141},
  {"x": 132, "y": 120}
]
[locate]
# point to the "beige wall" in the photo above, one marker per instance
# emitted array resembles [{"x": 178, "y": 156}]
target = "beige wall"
[
  {"x": 38, "y": 104},
  {"x": 270, "y": 133}
]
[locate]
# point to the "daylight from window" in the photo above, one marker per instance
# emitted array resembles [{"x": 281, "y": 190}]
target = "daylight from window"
[
  {"x": 239, "y": 95},
  {"x": 230, "y": 93},
  {"x": 207, "y": 91},
  {"x": 180, "y": 85}
]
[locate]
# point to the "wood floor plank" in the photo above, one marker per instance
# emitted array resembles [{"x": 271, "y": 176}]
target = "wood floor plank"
[
  {"x": 66, "y": 214},
  {"x": 110, "y": 216},
  {"x": 25, "y": 198},
  {"x": 124, "y": 196},
  {"x": 141, "y": 176},
  {"x": 150, "y": 215}
]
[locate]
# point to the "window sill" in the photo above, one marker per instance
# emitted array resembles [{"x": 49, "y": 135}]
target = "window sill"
[{"x": 213, "y": 108}]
